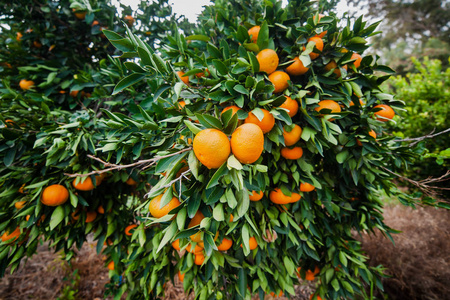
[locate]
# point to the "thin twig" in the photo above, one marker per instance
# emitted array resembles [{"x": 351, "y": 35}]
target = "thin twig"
[
  {"x": 111, "y": 166},
  {"x": 424, "y": 184},
  {"x": 421, "y": 138},
  {"x": 179, "y": 178}
]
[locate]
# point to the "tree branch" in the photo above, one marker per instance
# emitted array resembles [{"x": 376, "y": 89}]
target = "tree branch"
[{"x": 421, "y": 138}]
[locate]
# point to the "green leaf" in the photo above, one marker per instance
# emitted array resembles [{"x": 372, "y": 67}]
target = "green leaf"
[
  {"x": 217, "y": 175},
  {"x": 243, "y": 202},
  {"x": 342, "y": 156},
  {"x": 198, "y": 37},
  {"x": 220, "y": 66},
  {"x": 343, "y": 258},
  {"x": 168, "y": 235},
  {"x": 128, "y": 81},
  {"x": 193, "y": 128},
  {"x": 233, "y": 163},
  {"x": 263, "y": 36},
  {"x": 57, "y": 217},
  {"x": 193, "y": 164}
]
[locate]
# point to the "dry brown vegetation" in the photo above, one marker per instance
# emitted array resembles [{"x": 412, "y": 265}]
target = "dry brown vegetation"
[{"x": 419, "y": 264}]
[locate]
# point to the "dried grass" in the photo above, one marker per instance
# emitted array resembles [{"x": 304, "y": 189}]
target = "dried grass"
[{"x": 419, "y": 263}]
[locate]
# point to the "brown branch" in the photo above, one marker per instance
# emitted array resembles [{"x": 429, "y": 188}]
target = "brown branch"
[
  {"x": 424, "y": 184},
  {"x": 421, "y": 138},
  {"x": 180, "y": 178},
  {"x": 110, "y": 166}
]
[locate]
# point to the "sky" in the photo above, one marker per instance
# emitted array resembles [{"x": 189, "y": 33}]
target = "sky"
[{"x": 191, "y": 8}]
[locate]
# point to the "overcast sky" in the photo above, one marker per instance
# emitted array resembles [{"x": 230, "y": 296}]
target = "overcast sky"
[{"x": 191, "y": 8}]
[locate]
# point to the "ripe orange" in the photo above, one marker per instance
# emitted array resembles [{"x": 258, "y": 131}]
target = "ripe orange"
[
  {"x": 184, "y": 79},
  {"x": 306, "y": 187},
  {"x": 254, "y": 32},
  {"x": 211, "y": 147},
  {"x": 54, "y": 195},
  {"x": 256, "y": 196},
  {"x": 372, "y": 133},
  {"x": 231, "y": 218},
  {"x": 360, "y": 102},
  {"x": 197, "y": 249},
  {"x": 131, "y": 181},
  {"x": 80, "y": 15},
  {"x": 280, "y": 80},
  {"x": 386, "y": 112},
  {"x": 181, "y": 104},
  {"x": 199, "y": 259},
  {"x": 233, "y": 108},
  {"x": 129, "y": 228},
  {"x": 19, "y": 36},
  {"x": 15, "y": 234},
  {"x": 253, "y": 244},
  {"x": 26, "y": 84},
  {"x": 225, "y": 245},
  {"x": 268, "y": 61},
  {"x": 292, "y": 137},
  {"x": 332, "y": 65},
  {"x": 310, "y": 275},
  {"x": 196, "y": 220},
  {"x": 267, "y": 122},
  {"x": 100, "y": 210},
  {"x": 181, "y": 276},
  {"x": 319, "y": 46},
  {"x": 176, "y": 244},
  {"x": 323, "y": 33},
  {"x": 95, "y": 23},
  {"x": 111, "y": 265},
  {"x": 328, "y": 104},
  {"x": 297, "y": 68},
  {"x": 37, "y": 44},
  {"x": 293, "y": 154},
  {"x": 277, "y": 197},
  {"x": 87, "y": 184},
  {"x": 202, "y": 74},
  {"x": 312, "y": 296},
  {"x": 358, "y": 60},
  {"x": 20, "y": 204},
  {"x": 129, "y": 19},
  {"x": 279, "y": 295},
  {"x": 247, "y": 143},
  {"x": 295, "y": 197},
  {"x": 90, "y": 216},
  {"x": 156, "y": 211}
]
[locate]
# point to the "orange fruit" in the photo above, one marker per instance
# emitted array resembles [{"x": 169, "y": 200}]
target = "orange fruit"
[
  {"x": 20, "y": 204},
  {"x": 74, "y": 93},
  {"x": 90, "y": 216},
  {"x": 100, "y": 209},
  {"x": 181, "y": 276},
  {"x": 76, "y": 214},
  {"x": 37, "y": 44},
  {"x": 372, "y": 133},
  {"x": 247, "y": 143},
  {"x": 292, "y": 137},
  {"x": 211, "y": 147},
  {"x": 202, "y": 74},
  {"x": 268, "y": 60},
  {"x": 80, "y": 15},
  {"x": 129, "y": 19},
  {"x": 111, "y": 265},
  {"x": 306, "y": 187},
  {"x": 277, "y": 197},
  {"x": 184, "y": 79},
  {"x": 26, "y": 84},
  {"x": 158, "y": 212},
  {"x": 54, "y": 195},
  {"x": 332, "y": 65},
  {"x": 253, "y": 244},
  {"x": 19, "y": 36},
  {"x": 319, "y": 46},
  {"x": 358, "y": 60},
  {"x": 295, "y": 197},
  {"x": 95, "y": 23},
  {"x": 256, "y": 196},
  {"x": 196, "y": 220},
  {"x": 328, "y": 104},
  {"x": 233, "y": 108},
  {"x": 131, "y": 181},
  {"x": 15, "y": 234},
  {"x": 360, "y": 102},
  {"x": 312, "y": 296},
  {"x": 386, "y": 112},
  {"x": 87, "y": 184},
  {"x": 197, "y": 249},
  {"x": 293, "y": 154},
  {"x": 297, "y": 68},
  {"x": 310, "y": 275},
  {"x": 323, "y": 33},
  {"x": 199, "y": 259},
  {"x": 225, "y": 245},
  {"x": 279, "y": 295},
  {"x": 176, "y": 245},
  {"x": 267, "y": 122},
  {"x": 280, "y": 80},
  {"x": 181, "y": 104},
  {"x": 231, "y": 218},
  {"x": 129, "y": 228},
  {"x": 254, "y": 32}
]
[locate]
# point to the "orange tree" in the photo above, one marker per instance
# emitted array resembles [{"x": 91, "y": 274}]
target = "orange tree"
[{"x": 240, "y": 163}]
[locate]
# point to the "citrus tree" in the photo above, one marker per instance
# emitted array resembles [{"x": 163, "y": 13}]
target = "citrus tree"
[{"x": 240, "y": 157}]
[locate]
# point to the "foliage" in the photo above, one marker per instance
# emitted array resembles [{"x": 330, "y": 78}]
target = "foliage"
[
  {"x": 427, "y": 95},
  {"x": 130, "y": 124}
]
